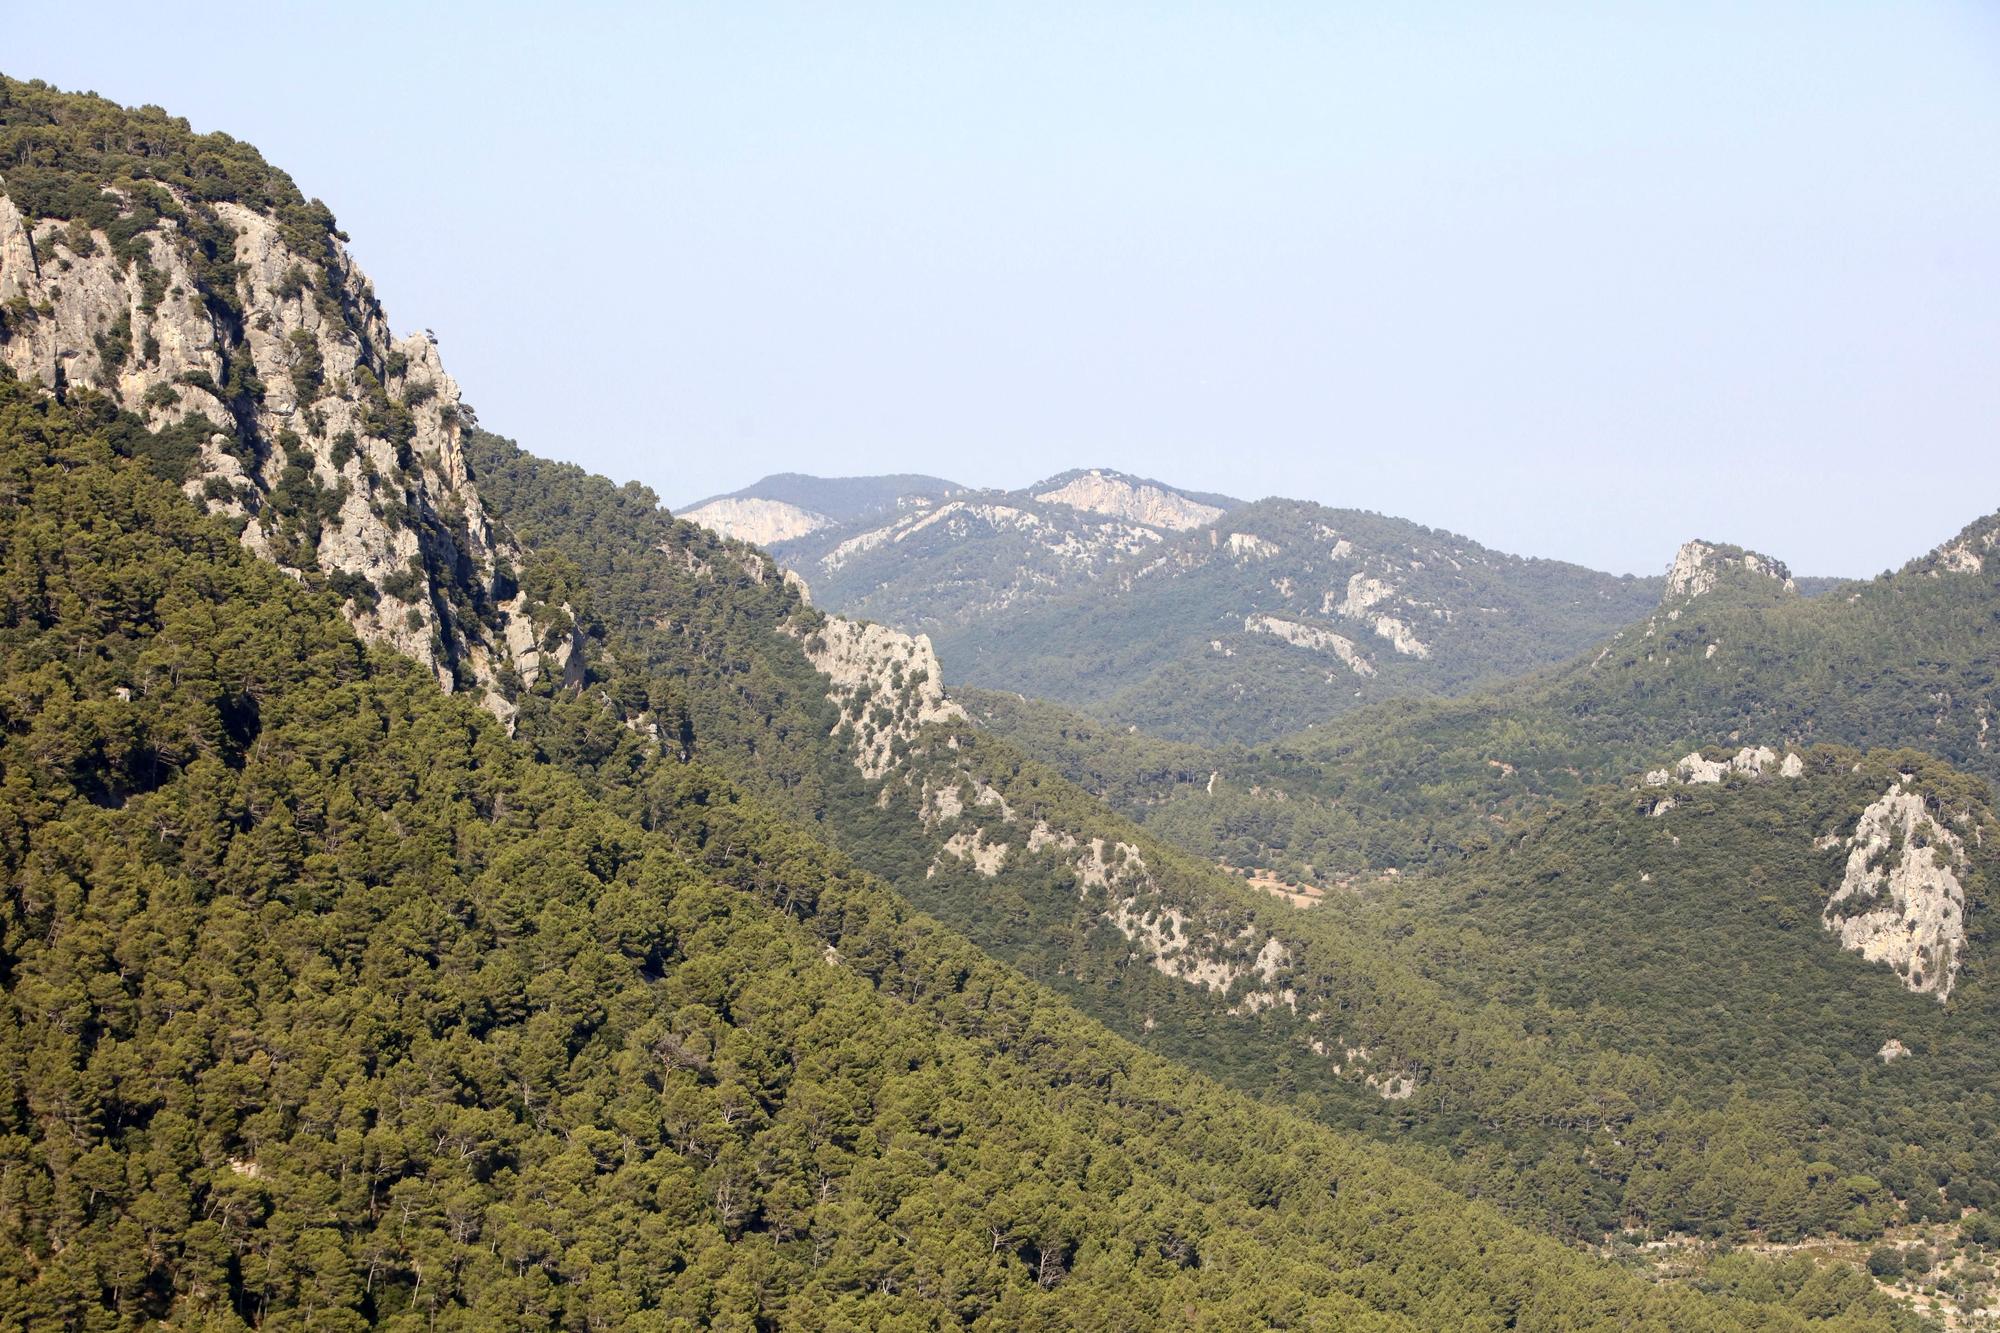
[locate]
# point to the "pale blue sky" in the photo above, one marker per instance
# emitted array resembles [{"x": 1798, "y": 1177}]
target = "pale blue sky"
[{"x": 1578, "y": 280}]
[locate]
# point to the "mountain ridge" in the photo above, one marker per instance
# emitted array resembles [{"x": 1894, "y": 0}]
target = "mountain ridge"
[
  {"x": 1019, "y": 590},
  {"x": 1737, "y": 655},
  {"x": 330, "y": 999},
  {"x": 191, "y": 282}
]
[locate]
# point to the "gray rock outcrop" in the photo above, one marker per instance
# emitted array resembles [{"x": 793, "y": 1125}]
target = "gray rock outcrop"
[
  {"x": 757, "y": 521},
  {"x": 1116, "y": 496},
  {"x": 1899, "y": 900},
  {"x": 887, "y": 685},
  {"x": 334, "y": 445},
  {"x": 1698, "y": 566}
]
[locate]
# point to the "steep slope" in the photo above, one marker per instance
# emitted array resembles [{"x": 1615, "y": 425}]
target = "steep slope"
[
  {"x": 327, "y": 1003},
  {"x": 191, "y": 283},
  {"x": 1816, "y": 927},
  {"x": 844, "y": 726}
]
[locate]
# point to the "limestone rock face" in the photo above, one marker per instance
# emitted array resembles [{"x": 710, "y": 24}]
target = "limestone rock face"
[
  {"x": 1752, "y": 761},
  {"x": 1363, "y": 594},
  {"x": 1969, "y": 552},
  {"x": 1311, "y": 637},
  {"x": 1116, "y": 496},
  {"x": 1698, "y": 566},
  {"x": 887, "y": 685},
  {"x": 757, "y": 521},
  {"x": 334, "y": 445},
  {"x": 1247, "y": 546},
  {"x": 1899, "y": 900}
]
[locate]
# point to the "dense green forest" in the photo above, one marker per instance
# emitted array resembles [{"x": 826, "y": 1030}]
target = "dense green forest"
[
  {"x": 1904, "y": 660},
  {"x": 1693, "y": 937},
  {"x": 638, "y": 1001},
  {"x": 1521, "y": 1106},
  {"x": 326, "y": 1004},
  {"x": 1164, "y": 641},
  {"x": 1548, "y": 891}
]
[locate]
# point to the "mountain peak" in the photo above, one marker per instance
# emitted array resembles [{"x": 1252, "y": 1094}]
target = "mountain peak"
[
  {"x": 1115, "y": 495},
  {"x": 1699, "y": 566},
  {"x": 756, "y": 519},
  {"x": 1967, "y": 553},
  {"x": 788, "y": 505},
  {"x": 194, "y": 287}
]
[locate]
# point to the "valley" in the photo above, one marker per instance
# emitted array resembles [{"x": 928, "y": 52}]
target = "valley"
[{"x": 447, "y": 888}]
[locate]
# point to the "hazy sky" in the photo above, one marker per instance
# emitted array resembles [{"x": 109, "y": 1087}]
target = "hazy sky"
[{"x": 1577, "y": 280}]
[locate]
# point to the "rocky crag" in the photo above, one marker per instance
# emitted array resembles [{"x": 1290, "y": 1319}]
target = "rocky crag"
[
  {"x": 227, "y": 312},
  {"x": 1900, "y": 900}
]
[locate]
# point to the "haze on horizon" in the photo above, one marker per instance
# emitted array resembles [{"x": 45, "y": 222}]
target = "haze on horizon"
[{"x": 1573, "y": 282}]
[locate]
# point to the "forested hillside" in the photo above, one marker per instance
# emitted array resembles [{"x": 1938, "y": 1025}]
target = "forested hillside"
[
  {"x": 705, "y": 963},
  {"x": 1700, "y": 922},
  {"x": 327, "y": 1003},
  {"x": 1323, "y": 1009},
  {"x": 1910, "y": 659},
  {"x": 1284, "y": 614}
]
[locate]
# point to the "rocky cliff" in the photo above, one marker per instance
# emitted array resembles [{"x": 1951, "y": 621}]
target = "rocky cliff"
[
  {"x": 1115, "y": 495},
  {"x": 1699, "y": 567},
  {"x": 757, "y": 521},
  {"x": 1900, "y": 900},
  {"x": 242, "y": 326},
  {"x": 886, "y": 684}
]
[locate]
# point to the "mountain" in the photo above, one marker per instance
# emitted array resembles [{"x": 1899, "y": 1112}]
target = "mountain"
[
  {"x": 786, "y": 506},
  {"x": 1188, "y": 615},
  {"x": 1281, "y": 614},
  {"x": 678, "y": 644},
  {"x": 189, "y": 281},
  {"x": 1733, "y": 653},
  {"x": 720, "y": 969},
  {"x": 947, "y": 558},
  {"x": 329, "y": 998}
]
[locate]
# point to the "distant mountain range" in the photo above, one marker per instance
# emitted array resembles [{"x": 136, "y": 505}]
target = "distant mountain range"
[
  {"x": 1733, "y": 653},
  {"x": 786, "y": 506},
  {"x": 1190, "y": 615},
  {"x": 446, "y": 889}
]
